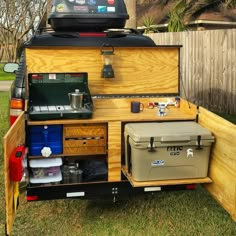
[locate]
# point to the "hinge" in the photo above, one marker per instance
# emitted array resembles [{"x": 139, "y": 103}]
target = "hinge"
[
  {"x": 197, "y": 115},
  {"x": 26, "y": 116}
]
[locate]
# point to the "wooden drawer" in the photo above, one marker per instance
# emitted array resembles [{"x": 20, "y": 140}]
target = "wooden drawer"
[
  {"x": 88, "y": 130},
  {"x": 85, "y": 139}
]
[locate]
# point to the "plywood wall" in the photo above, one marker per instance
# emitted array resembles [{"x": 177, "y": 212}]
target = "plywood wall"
[
  {"x": 222, "y": 168},
  {"x": 207, "y": 65},
  {"x": 137, "y": 70}
]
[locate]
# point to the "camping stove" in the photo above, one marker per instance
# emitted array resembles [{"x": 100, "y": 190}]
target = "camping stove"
[{"x": 48, "y": 96}]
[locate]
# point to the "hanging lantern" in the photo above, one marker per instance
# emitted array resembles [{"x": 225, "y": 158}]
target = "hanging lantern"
[{"x": 107, "y": 52}]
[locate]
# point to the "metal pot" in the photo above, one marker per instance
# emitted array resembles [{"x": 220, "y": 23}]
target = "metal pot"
[{"x": 76, "y": 99}]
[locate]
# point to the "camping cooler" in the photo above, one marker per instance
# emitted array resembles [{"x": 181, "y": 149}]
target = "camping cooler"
[{"x": 167, "y": 150}]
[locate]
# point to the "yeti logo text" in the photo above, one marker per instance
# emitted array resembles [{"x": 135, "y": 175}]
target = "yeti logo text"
[{"x": 174, "y": 150}]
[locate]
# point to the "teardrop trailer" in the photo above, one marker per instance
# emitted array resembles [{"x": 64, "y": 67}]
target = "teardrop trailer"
[{"x": 101, "y": 149}]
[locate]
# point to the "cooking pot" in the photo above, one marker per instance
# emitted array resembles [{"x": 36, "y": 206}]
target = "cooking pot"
[{"x": 76, "y": 99}]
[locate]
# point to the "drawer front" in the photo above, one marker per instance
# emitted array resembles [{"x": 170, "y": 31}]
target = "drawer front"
[
  {"x": 85, "y": 150},
  {"x": 85, "y": 139},
  {"x": 85, "y": 130},
  {"x": 84, "y": 142}
]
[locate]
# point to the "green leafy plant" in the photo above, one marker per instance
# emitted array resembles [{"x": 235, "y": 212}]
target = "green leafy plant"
[
  {"x": 148, "y": 23},
  {"x": 185, "y": 10},
  {"x": 176, "y": 17}
]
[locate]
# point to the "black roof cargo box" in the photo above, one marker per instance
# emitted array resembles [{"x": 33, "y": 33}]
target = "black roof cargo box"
[{"x": 87, "y": 15}]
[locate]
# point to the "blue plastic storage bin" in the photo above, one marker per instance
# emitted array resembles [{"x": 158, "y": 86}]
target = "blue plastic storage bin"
[{"x": 45, "y": 136}]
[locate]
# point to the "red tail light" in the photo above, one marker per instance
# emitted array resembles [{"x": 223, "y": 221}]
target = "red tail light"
[
  {"x": 32, "y": 198},
  {"x": 190, "y": 186},
  {"x": 92, "y": 34},
  {"x": 16, "y": 107}
]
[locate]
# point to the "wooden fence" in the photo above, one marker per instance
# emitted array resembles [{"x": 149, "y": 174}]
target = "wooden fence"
[{"x": 208, "y": 66}]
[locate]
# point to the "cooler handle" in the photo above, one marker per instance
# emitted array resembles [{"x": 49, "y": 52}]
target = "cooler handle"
[
  {"x": 128, "y": 155},
  {"x": 175, "y": 139}
]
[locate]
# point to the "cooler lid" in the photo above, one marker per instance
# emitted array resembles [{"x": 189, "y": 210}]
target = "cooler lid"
[
  {"x": 167, "y": 131},
  {"x": 45, "y": 163}
]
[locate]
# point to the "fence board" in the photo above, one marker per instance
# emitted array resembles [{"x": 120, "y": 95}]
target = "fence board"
[{"x": 207, "y": 66}]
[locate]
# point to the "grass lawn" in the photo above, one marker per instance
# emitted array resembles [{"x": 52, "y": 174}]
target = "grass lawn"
[
  {"x": 179, "y": 213},
  {"x": 5, "y": 76}
]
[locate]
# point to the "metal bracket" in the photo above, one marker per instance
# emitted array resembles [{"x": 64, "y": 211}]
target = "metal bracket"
[
  {"x": 114, "y": 191},
  {"x": 197, "y": 115}
]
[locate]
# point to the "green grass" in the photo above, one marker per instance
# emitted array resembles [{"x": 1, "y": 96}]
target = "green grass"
[
  {"x": 179, "y": 213},
  {"x": 5, "y": 76}
]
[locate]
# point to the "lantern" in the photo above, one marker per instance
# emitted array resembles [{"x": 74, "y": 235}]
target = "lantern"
[{"x": 107, "y": 52}]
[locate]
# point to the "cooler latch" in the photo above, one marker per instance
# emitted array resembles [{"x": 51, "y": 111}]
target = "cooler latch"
[
  {"x": 199, "y": 138},
  {"x": 128, "y": 155},
  {"x": 151, "y": 145}
]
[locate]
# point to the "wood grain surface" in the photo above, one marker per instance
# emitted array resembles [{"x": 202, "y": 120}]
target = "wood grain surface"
[
  {"x": 137, "y": 70},
  {"x": 13, "y": 138}
]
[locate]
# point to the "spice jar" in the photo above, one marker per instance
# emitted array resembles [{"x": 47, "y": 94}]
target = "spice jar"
[{"x": 177, "y": 102}]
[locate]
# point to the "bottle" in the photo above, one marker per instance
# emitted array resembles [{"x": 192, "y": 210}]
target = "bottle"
[{"x": 177, "y": 102}]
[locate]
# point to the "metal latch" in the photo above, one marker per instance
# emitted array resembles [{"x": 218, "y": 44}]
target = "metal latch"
[
  {"x": 151, "y": 146},
  {"x": 199, "y": 137}
]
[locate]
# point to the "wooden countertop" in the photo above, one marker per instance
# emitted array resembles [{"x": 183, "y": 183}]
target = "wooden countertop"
[{"x": 108, "y": 110}]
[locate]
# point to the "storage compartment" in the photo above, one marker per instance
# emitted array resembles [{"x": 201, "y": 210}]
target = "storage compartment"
[
  {"x": 84, "y": 170},
  {"x": 90, "y": 15},
  {"x": 45, "y": 140},
  {"x": 168, "y": 150},
  {"x": 45, "y": 171},
  {"x": 94, "y": 170},
  {"x": 71, "y": 172},
  {"x": 85, "y": 139}
]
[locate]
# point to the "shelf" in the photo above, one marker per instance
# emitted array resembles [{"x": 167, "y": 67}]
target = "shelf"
[
  {"x": 89, "y": 156},
  {"x": 163, "y": 182}
]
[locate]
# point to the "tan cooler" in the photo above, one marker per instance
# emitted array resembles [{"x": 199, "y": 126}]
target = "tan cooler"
[{"x": 167, "y": 150}]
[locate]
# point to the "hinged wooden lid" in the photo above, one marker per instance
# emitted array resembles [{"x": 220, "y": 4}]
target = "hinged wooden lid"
[{"x": 138, "y": 71}]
